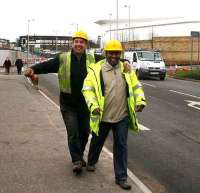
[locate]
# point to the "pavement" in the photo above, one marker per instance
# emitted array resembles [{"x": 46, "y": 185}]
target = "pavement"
[
  {"x": 13, "y": 70},
  {"x": 34, "y": 156}
]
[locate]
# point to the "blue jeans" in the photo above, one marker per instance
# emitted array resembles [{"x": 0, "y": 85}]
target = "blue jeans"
[
  {"x": 120, "y": 135},
  {"x": 77, "y": 125}
]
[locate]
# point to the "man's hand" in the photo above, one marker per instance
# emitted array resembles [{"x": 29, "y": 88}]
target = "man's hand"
[
  {"x": 127, "y": 66},
  {"x": 29, "y": 72},
  {"x": 139, "y": 108},
  {"x": 96, "y": 111}
]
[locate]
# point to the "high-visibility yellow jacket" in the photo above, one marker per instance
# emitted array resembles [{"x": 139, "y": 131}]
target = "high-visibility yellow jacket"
[
  {"x": 92, "y": 91},
  {"x": 65, "y": 70}
]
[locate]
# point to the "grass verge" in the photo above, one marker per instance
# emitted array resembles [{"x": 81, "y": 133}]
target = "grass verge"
[{"x": 192, "y": 74}]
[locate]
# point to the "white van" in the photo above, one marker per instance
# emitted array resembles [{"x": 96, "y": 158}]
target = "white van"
[{"x": 146, "y": 63}]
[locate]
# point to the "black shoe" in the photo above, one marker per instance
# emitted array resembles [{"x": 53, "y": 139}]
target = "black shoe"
[
  {"x": 77, "y": 166},
  {"x": 84, "y": 163},
  {"x": 91, "y": 168},
  {"x": 124, "y": 185}
]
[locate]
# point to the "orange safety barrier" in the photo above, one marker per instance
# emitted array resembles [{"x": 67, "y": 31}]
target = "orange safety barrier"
[{"x": 183, "y": 68}]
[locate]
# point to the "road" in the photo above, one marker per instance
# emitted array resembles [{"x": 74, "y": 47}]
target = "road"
[
  {"x": 169, "y": 152},
  {"x": 166, "y": 157}
]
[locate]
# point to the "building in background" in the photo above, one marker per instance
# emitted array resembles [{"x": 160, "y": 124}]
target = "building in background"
[
  {"x": 172, "y": 36},
  {"x": 4, "y": 43},
  {"x": 47, "y": 44},
  {"x": 36, "y": 43},
  {"x": 145, "y": 28}
]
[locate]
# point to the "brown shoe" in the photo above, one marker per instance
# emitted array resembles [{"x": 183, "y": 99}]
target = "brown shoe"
[
  {"x": 91, "y": 168},
  {"x": 124, "y": 185},
  {"x": 77, "y": 166}
]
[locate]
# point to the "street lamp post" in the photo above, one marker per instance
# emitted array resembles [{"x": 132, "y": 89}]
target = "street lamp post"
[
  {"x": 152, "y": 37},
  {"x": 117, "y": 19},
  {"x": 110, "y": 16},
  {"x": 76, "y": 24},
  {"x": 56, "y": 39},
  {"x": 129, "y": 21},
  {"x": 56, "y": 42},
  {"x": 29, "y": 20}
]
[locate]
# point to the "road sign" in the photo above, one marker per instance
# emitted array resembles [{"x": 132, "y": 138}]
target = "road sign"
[{"x": 195, "y": 33}]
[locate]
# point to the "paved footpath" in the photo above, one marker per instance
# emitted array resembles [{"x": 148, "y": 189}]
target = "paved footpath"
[{"x": 34, "y": 157}]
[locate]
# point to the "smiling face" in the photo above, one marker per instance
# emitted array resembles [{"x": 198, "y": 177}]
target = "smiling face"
[
  {"x": 113, "y": 57},
  {"x": 79, "y": 45}
]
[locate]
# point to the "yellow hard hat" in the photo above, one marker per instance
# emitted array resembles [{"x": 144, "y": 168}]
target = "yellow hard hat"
[
  {"x": 113, "y": 45},
  {"x": 80, "y": 34}
]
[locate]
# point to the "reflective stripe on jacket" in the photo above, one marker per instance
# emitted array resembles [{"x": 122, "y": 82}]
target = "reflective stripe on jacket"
[
  {"x": 93, "y": 91},
  {"x": 64, "y": 72}
]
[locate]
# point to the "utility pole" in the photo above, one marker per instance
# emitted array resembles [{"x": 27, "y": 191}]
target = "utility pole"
[
  {"x": 117, "y": 19},
  {"x": 129, "y": 21},
  {"x": 29, "y": 20},
  {"x": 56, "y": 39},
  {"x": 152, "y": 36},
  {"x": 75, "y": 24},
  {"x": 110, "y": 16}
]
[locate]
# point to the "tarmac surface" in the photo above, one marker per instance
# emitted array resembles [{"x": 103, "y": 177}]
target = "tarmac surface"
[{"x": 34, "y": 156}]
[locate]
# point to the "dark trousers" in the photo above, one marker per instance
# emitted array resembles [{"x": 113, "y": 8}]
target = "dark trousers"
[
  {"x": 77, "y": 125},
  {"x": 7, "y": 70},
  {"x": 120, "y": 135},
  {"x": 19, "y": 70}
]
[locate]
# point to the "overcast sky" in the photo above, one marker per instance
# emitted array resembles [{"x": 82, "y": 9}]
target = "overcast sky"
[{"x": 64, "y": 15}]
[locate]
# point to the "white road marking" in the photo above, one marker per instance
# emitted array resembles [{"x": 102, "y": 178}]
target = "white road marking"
[
  {"x": 42, "y": 93},
  {"x": 193, "y": 104},
  {"x": 130, "y": 174},
  {"x": 143, "y": 128},
  {"x": 151, "y": 85},
  {"x": 49, "y": 99},
  {"x": 29, "y": 81},
  {"x": 186, "y": 94},
  {"x": 109, "y": 153}
]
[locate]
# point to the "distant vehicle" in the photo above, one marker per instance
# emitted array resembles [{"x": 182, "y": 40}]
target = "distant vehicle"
[
  {"x": 146, "y": 63},
  {"x": 98, "y": 51}
]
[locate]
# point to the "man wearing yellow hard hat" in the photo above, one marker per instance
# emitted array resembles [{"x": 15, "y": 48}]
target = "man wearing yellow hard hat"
[
  {"x": 113, "y": 97},
  {"x": 72, "y": 68}
]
